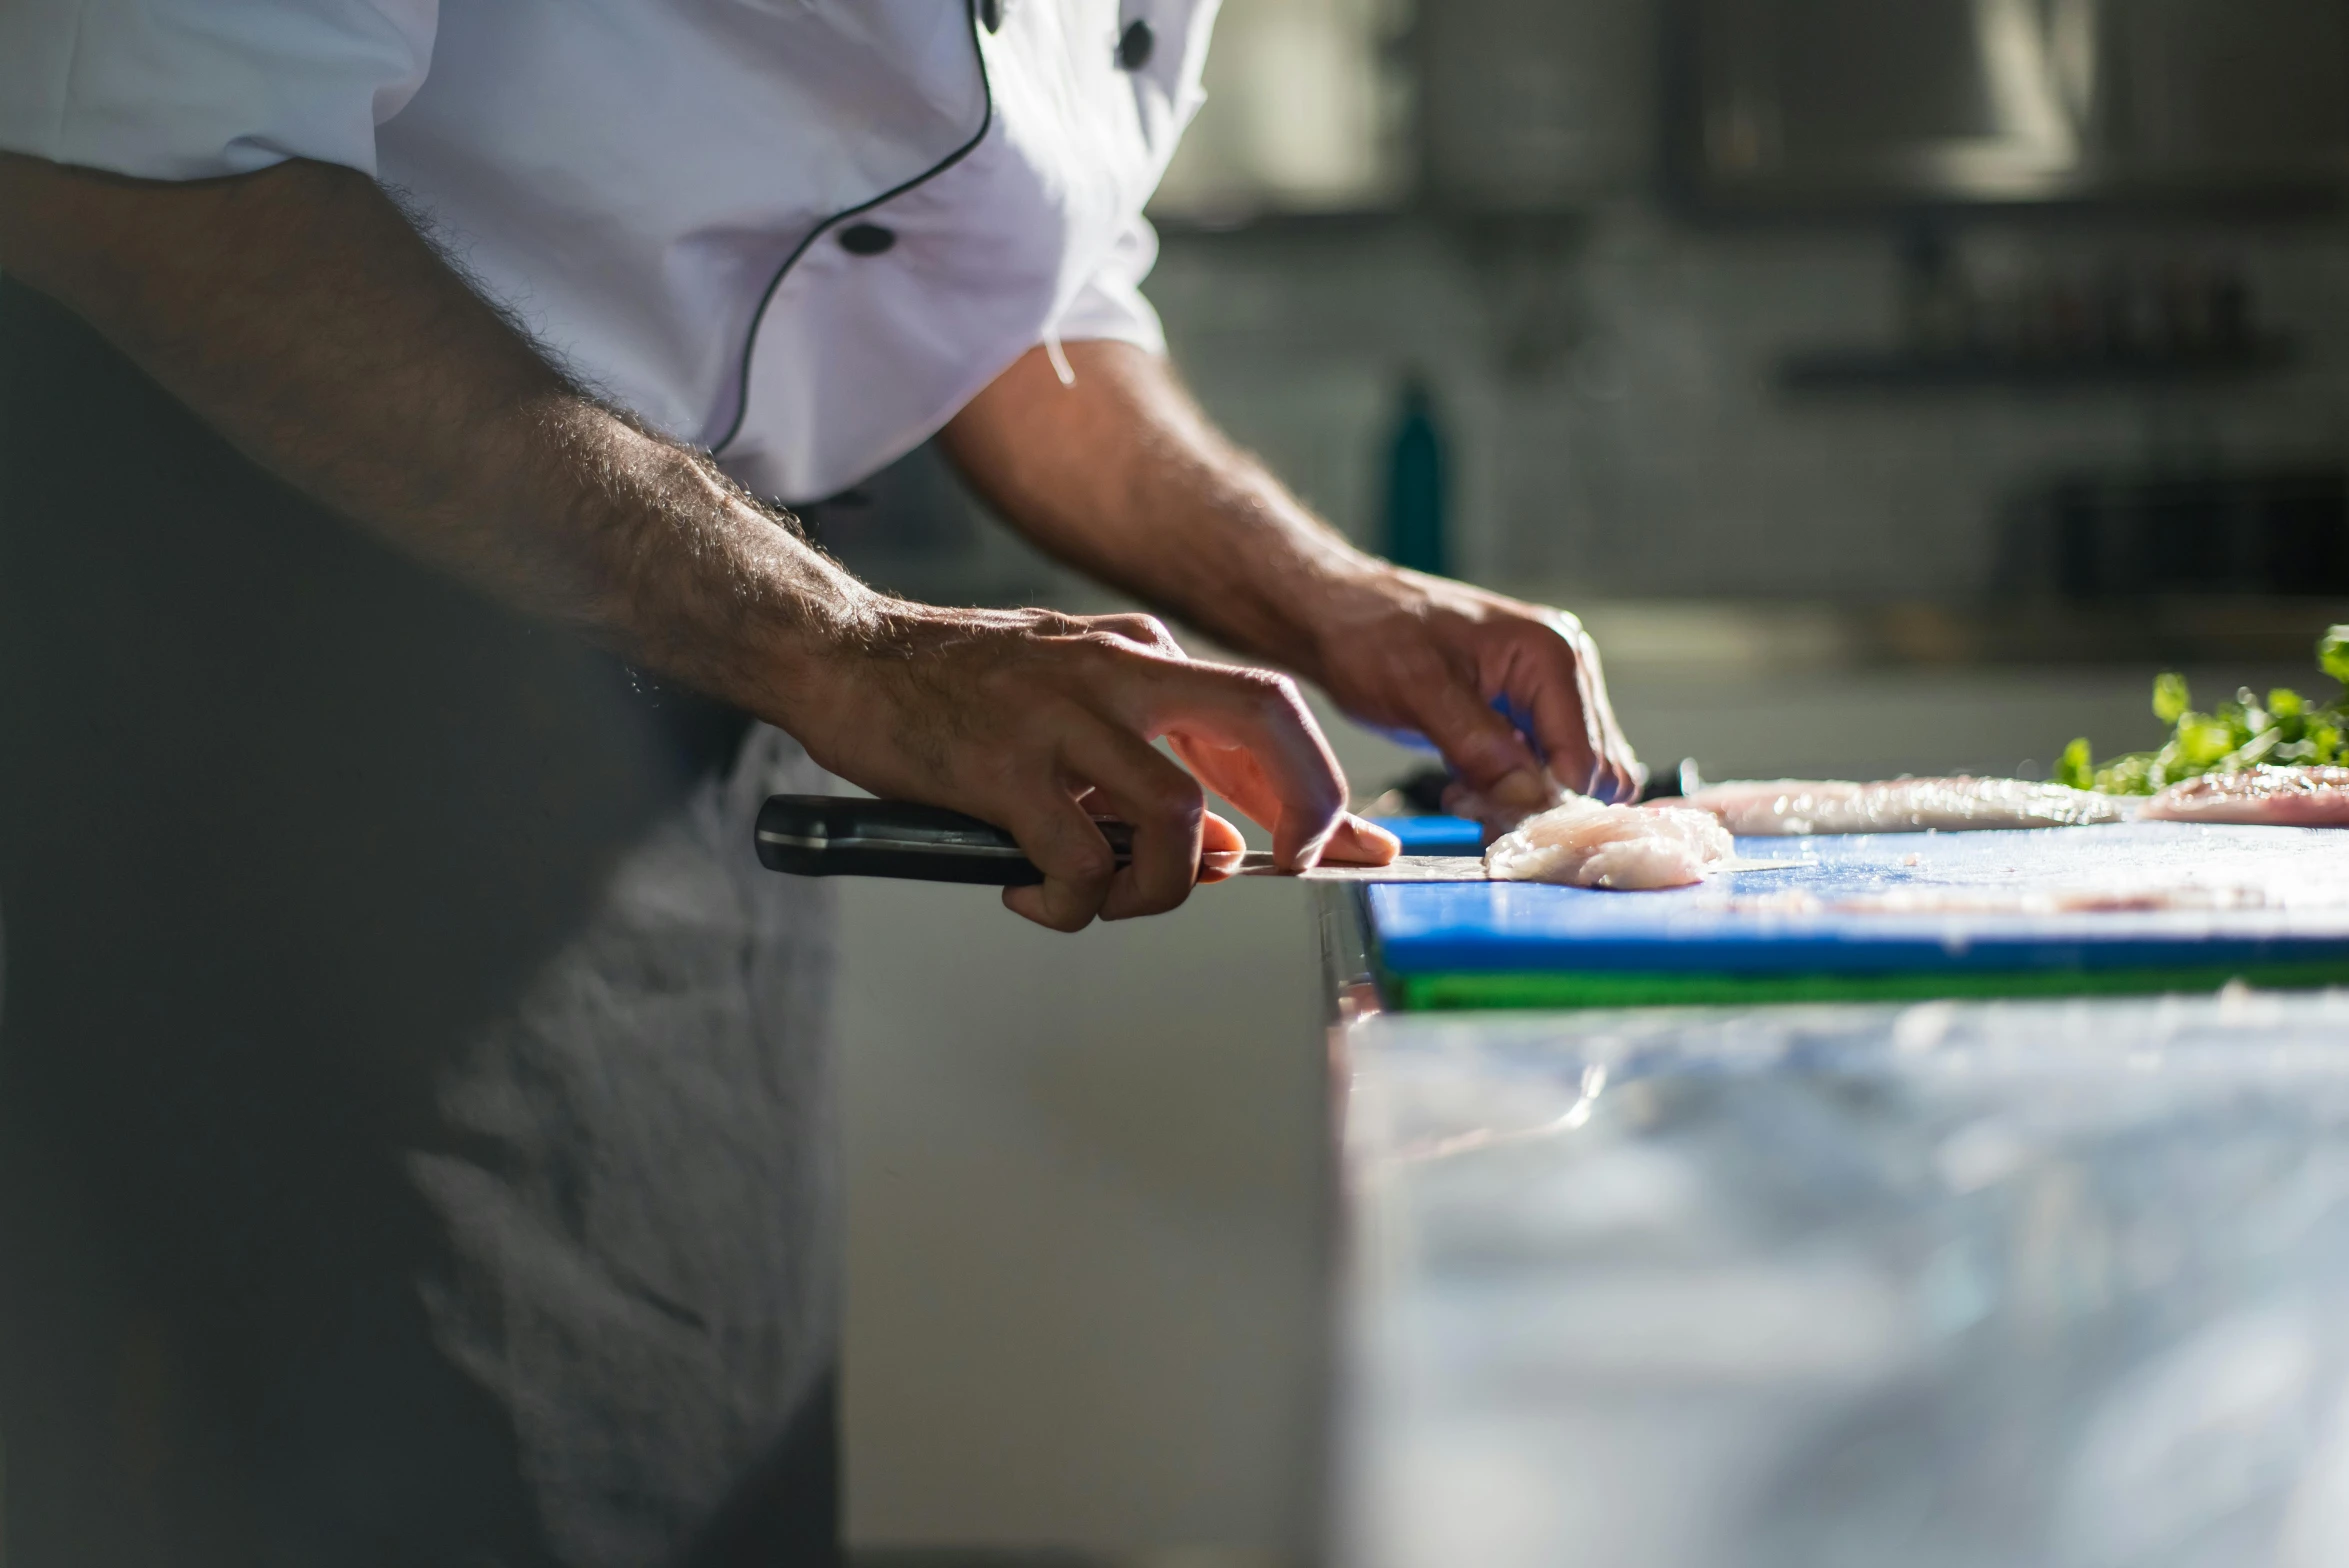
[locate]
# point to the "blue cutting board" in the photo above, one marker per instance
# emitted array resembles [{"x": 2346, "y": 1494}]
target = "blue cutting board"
[
  {"x": 1435, "y": 835},
  {"x": 1424, "y": 929}
]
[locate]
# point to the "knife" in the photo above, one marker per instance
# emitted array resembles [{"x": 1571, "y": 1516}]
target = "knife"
[{"x": 845, "y": 836}]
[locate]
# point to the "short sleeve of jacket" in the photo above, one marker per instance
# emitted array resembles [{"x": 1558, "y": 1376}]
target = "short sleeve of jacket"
[
  {"x": 1110, "y": 305},
  {"x": 186, "y": 89}
]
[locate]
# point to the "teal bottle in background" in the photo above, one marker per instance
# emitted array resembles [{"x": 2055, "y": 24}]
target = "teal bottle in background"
[{"x": 1416, "y": 484}]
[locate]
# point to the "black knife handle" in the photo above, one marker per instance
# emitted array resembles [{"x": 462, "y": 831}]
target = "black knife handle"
[{"x": 843, "y": 836}]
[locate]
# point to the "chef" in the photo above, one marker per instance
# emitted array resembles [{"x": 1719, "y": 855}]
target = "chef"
[{"x": 414, "y": 1108}]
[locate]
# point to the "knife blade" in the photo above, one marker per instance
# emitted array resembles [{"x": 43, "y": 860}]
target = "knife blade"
[
  {"x": 1444, "y": 868},
  {"x": 846, "y": 836}
]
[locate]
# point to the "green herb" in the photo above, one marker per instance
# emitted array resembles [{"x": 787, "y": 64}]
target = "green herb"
[
  {"x": 2286, "y": 729},
  {"x": 2332, "y": 653},
  {"x": 2171, "y": 700}
]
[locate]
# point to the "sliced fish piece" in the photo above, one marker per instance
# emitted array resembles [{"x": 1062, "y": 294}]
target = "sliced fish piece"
[
  {"x": 1581, "y": 843},
  {"x": 1764, "y": 808},
  {"x": 2259, "y": 797}
]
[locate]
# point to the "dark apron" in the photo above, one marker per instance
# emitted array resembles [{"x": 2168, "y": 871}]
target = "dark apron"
[{"x": 415, "y": 1116}]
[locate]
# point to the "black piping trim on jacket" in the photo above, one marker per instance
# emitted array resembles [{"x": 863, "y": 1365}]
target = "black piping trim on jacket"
[{"x": 758, "y": 318}]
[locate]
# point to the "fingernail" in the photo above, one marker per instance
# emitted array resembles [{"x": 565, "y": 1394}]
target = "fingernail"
[{"x": 1379, "y": 846}]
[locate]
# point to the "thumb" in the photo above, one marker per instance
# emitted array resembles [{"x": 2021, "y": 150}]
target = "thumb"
[{"x": 1482, "y": 747}]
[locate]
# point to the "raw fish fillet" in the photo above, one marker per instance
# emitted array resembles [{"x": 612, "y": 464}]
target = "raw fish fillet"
[
  {"x": 1792, "y": 807},
  {"x": 2259, "y": 797},
  {"x": 1626, "y": 848}
]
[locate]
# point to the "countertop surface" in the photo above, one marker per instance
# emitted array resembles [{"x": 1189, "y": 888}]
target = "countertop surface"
[{"x": 1950, "y": 1284}]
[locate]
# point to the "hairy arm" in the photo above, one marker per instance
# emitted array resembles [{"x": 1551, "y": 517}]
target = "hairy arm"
[
  {"x": 1122, "y": 476},
  {"x": 301, "y": 314}
]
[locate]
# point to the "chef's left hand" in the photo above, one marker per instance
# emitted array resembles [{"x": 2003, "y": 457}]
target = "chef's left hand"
[
  {"x": 1401, "y": 649},
  {"x": 1120, "y": 474}
]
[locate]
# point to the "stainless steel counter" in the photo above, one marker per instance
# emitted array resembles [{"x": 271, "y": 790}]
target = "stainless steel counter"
[{"x": 1937, "y": 1286}]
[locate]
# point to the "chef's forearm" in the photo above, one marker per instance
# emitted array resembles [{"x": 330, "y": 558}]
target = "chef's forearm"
[
  {"x": 298, "y": 312},
  {"x": 1123, "y": 477}
]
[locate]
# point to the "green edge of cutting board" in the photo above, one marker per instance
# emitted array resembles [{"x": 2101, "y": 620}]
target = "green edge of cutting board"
[{"x": 1439, "y": 993}]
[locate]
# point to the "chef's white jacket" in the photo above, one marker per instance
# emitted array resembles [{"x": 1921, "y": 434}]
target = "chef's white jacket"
[{"x": 801, "y": 232}]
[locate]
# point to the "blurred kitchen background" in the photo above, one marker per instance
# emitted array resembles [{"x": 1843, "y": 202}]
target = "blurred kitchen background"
[
  {"x": 1775, "y": 336},
  {"x": 1892, "y": 385}
]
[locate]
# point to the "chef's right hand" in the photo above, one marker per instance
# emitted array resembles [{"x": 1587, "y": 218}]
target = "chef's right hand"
[{"x": 1038, "y": 722}]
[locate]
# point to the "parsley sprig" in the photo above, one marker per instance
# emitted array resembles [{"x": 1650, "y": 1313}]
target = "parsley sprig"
[{"x": 2284, "y": 730}]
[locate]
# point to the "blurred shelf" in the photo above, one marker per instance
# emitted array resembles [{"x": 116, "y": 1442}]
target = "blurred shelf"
[
  {"x": 2170, "y": 631},
  {"x": 1876, "y": 370}
]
